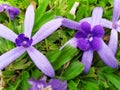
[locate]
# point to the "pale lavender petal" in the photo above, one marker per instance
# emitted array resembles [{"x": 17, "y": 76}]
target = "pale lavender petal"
[
  {"x": 106, "y": 23},
  {"x": 57, "y": 84},
  {"x": 72, "y": 42},
  {"x": 87, "y": 60},
  {"x": 118, "y": 26},
  {"x": 96, "y": 16},
  {"x": 7, "y": 33},
  {"x": 88, "y": 19},
  {"x": 107, "y": 55},
  {"x": 29, "y": 21},
  {"x": 46, "y": 30},
  {"x": 1, "y": 9},
  {"x": 113, "y": 42},
  {"x": 71, "y": 24},
  {"x": 116, "y": 11},
  {"x": 41, "y": 61},
  {"x": 10, "y": 56}
]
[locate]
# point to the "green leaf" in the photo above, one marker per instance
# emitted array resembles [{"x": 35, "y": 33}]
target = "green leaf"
[
  {"x": 91, "y": 86},
  {"x": 53, "y": 55},
  {"x": 41, "y": 9},
  {"x": 36, "y": 73},
  {"x": 44, "y": 18},
  {"x": 114, "y": 79},
  {"x": 72, "y": 85},
  {"x": 73, "y": 70},
  {"x": 67, "y": 53}
]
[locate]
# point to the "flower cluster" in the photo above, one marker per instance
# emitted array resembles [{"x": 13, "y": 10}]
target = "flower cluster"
[
  {"x": 11, "y": 11},
  {"x": 53, "y": 84},
  {"x": 88, "y": 38}
]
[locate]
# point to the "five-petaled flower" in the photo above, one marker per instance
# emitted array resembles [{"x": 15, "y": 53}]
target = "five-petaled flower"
[
  {"x": 11, "y": 11},
  {"x": 53, "y": 84},
  {"x": 114, "y": 25},
  {"x": 88, "y": 38},
  {"x": 24, "y": 42}
]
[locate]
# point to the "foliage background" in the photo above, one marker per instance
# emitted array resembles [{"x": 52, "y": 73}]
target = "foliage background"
[{"x": 66, "y": 62}]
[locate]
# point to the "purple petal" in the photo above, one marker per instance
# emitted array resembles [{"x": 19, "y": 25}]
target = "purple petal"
[
  {"x": 81, "y": 34},
  {"x": 107, "y": 55},
  {"x": 72, "y": 42},
  {"x": 88, "y": 19},
  {"x": 7, "y": 33},
  {"x": 98, "y": 31},
  {"x": 83, "y": 44},
  {"x": 29, "y": 21},
  {"x": 57, "y": 84},
  {"x": 87, "y": 60},
  {"x": 69, "y": 23},
  {"x": 10, "y": 56},
  {"x": 46, "y": 30},
  {"x": 1, "y": 9},
  {"x": 41, "y": 61},
  {"x": 113, "y": 42},
  {"x": 116, "y": 11},
  {"x": 106, "y": 23},
  {"x": 12, "y": 11},
  {"x": 95, "y": 44},
  {"x": 96, "y": 16},
  {"x": 85, "y": 26}
]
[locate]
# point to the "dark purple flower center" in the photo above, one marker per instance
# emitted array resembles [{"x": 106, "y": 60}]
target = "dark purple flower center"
[
  {"x": 88, "y": 38},
  {"x": 24, "y": 41}
]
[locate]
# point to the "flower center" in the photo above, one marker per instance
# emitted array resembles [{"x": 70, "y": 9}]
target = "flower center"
[
  {"x": 90, "y": 38},
  {"x": 24, "y": 41},
  {"x": 114, "y": 25}
]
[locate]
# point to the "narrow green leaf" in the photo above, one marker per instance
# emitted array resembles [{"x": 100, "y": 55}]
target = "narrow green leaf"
[
  {"x": 114, "y": 79},
  {"x": 53, "y": 55},
  {"x": 67, "y": 53},
  {"x": 41, "y": 9},
  {"x": 73, "y": 70},
  {"x": 44, "y": 18},
  {"x": 91, "y": 86}
]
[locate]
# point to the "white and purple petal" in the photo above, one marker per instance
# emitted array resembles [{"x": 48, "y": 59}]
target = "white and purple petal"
[
  {"x": 29, "y": 21},
  {"x": 70, "y": 24},
  {"x": 10, "y": 56},
  {"x": 41, "y": 61},
  {"x": 116, "y": 11},
  {"x": 72, "y": 42},
  {"x": 107, "y": 55},
  {"x": 113, "y": 42},
  {"x": 96, "y": 16},
  {"x": 7, "y": 33},
  {"x": 46, "y": 30},
  {"x": 87, "y": 60},
  {"x": 106, "y": 23}
]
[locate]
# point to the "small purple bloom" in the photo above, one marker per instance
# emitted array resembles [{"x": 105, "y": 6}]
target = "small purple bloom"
[
  {"x": 88, "y": 38},
  {"x": 11, "y": 11},
  {"x": 53, "y": 84},
  {"x": 24, "y": 42}
]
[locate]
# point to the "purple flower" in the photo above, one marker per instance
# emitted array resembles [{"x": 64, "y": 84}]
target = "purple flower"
[
  {"x": 53, "y": 84},
  {"x": 24, "y": 42},
  {"x": 114, "y": 25},
  {"x": 88, "y": 38},
  {"x": 11, "y": 11}
]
